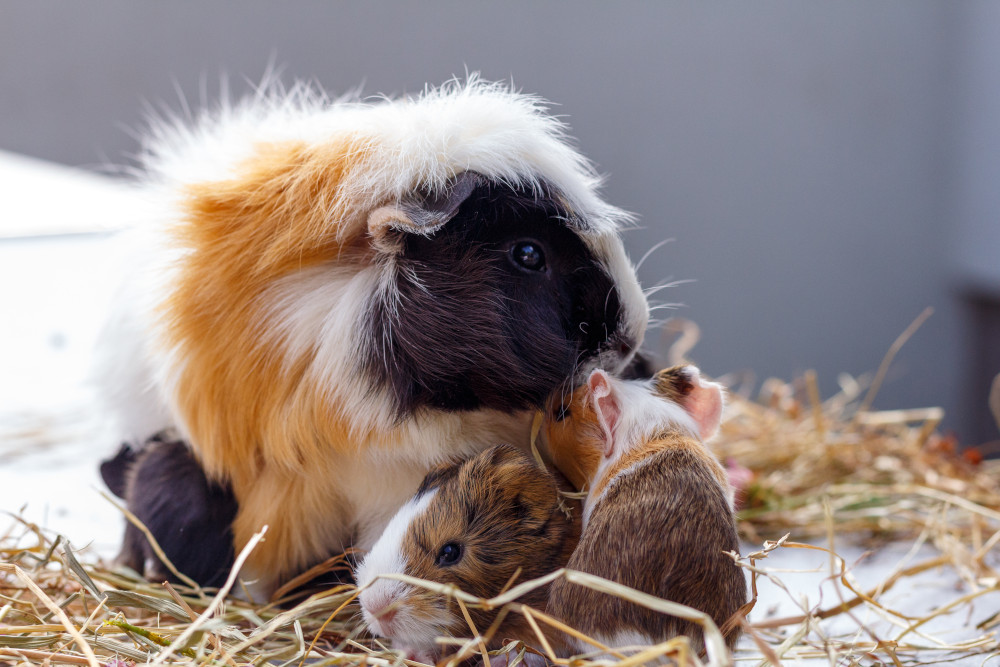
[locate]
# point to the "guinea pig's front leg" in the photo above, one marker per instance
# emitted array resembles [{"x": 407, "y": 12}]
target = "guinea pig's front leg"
[{"x": 306, "y": 518}]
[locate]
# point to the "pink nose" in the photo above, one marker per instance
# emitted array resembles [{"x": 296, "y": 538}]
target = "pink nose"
[{"x": 382, "y": 610}]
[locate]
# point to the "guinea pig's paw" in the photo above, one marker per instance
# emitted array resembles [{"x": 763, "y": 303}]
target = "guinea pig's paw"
[
  {"x": 529, "y": 659},
  {"x": 429, "y": 655}
]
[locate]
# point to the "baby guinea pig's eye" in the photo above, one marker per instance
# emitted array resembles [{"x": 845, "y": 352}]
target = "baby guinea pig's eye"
[
  {"x": 528, "y": 255},
  {"x": 450, "y": 554},
  {"x": 561, "y": 412}
]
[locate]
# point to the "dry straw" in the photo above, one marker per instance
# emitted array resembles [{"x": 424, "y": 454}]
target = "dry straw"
[{"x": 810, "y": 470}]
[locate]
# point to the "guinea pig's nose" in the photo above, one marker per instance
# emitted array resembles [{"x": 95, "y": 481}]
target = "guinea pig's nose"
[
  {"x": 385, "y": 616},
  {"x": 382, "y": 609}
]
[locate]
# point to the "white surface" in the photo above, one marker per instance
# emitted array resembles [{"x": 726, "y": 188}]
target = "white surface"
[
  {"x": 53, "y": 293},
  {"x": 40, "y": 198}
]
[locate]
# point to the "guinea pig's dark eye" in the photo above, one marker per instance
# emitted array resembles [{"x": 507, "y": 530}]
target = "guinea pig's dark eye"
[
  {"x": 561, "y": 412},
  {"x": 528, "y": 255},
  {"x": 450, "y": 554}
]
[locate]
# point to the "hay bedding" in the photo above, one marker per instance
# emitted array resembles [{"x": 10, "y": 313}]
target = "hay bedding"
[{"x": 927, "y": 592}]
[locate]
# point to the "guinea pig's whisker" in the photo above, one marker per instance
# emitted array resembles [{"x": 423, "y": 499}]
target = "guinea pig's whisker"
[
  {"x": 649, "y": 252},
  {"x": 665, "y": 306},
  {"x": 650, "y": 291},
  {"x": 607, "y": 299}
]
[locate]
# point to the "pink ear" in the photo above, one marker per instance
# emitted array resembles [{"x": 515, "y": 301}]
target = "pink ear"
[
  {"x": 605, "y": 405},
  {"x": 704, "y": 403}
]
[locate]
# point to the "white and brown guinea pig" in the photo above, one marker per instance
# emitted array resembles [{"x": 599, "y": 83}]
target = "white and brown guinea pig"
[
  {"x": 473, "y": 524},
  {"x": 339, "y": 296},
  {"x": 658, "y": 515}
]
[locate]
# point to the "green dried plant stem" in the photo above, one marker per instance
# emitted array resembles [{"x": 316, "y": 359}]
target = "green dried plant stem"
[{"x": 148, "y": 634}]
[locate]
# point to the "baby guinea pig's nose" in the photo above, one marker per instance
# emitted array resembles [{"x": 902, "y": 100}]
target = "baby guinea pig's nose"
[{"x": 379, "y": 610}]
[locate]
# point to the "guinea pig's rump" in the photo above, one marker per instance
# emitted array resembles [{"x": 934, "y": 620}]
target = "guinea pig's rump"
[{"x": 663, "y": 529}]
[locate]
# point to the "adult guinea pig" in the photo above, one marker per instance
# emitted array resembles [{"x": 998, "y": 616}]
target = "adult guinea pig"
[
  {"x": 473, "y": 524},
  {"x": 165, "y": 488},
  {"x": 339, "y": 296},
  {"x": 658, "y": 515}
]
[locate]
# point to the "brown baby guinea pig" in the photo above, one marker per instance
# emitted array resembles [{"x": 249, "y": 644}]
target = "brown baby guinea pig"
[
  {"x": 473, "y": 524},
  {"x": 658, "y": 515}
]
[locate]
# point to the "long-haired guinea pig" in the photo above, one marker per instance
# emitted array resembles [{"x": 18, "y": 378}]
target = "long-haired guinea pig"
[
  {"x": 189, "y": 515},
  {"x": 473, "y": 524},
  {"x": 658, "y": 515},
  {"x": 340, "y": 295}
]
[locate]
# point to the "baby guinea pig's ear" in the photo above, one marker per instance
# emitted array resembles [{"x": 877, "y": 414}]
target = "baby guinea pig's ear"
[
  {"x": 524, "y": 489},
  {"x": 419, "y": 214},
  {"x": 606, "y": 404},
  {"x": 699, "y": 398},
  {"x": 505, "y": 463},
  {"x": 439, "y": 476}
]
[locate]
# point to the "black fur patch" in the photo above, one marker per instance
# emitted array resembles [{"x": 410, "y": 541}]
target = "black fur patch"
[
  {"x": 114, "y": 471},
  {"x": 640, "y": 368},
  {"x": 189, "y": 515},
  {"x": 466, "y": 327}
]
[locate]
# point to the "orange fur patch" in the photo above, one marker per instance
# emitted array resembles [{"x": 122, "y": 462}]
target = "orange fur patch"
[
  {"x": 253, "y": 415},
  {"x": 575, "y": 443}
]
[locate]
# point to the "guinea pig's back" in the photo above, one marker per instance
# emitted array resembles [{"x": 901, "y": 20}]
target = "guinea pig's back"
[{"x": 661, "y": 528}]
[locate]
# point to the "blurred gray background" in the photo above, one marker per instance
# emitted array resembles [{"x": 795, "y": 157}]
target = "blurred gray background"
[{"x": 826, "y": 171}]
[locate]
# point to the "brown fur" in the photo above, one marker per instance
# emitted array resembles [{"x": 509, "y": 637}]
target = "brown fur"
[
  {"x": 661, "y": 529},
  {"x": 505, "y": 512},
  {"x": 667, "y": 440},
  {"x": 673, "y": 384}
]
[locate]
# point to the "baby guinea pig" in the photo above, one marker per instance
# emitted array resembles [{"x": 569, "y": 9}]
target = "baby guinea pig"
[
  {"x": 190, "y": 516},
  {"x": 658, "y": 516},
  {"x": 472, "y": 524}
]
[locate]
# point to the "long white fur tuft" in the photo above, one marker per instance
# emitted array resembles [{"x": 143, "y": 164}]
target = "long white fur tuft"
[{"x": 420, "y": 142}]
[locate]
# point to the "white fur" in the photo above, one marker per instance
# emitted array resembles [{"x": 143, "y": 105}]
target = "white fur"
[
  {"x": 627, "y": 642},
  {"x": 407, "y": 629},
  {"x": 642, "y": 415},
  {"x": 419, "y": 142},
  {"x": 130, "y": 366},
  {"x": 386, "y": 555},
  {"x": 609, "y": 250}
]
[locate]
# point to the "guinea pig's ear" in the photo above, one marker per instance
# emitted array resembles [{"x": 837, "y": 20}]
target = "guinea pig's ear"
[
  {"x": 700, "y": 398},
  {"x": 114, "y": 471},
  {"x": 419, "y": 214},
  {"x": 606, "y": 408}
]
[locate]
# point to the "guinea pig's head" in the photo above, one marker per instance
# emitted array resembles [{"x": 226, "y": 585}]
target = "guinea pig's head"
[
  {"x": 479, "y": 524},
  {"x": 607, "y": 417},
  {"x": 494, "y": 294}
]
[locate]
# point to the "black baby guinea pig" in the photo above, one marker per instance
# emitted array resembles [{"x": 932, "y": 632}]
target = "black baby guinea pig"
[{"x": 189, "y": 516}]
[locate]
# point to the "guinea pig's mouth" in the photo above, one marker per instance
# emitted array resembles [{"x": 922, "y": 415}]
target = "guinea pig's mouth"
[
  {"x": 618, "y": 355},
  {"x": 411, "y": 620}
]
